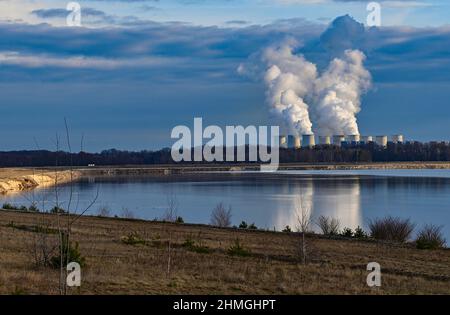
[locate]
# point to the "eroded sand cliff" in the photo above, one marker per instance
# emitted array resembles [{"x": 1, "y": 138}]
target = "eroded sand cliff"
[{"x": 15, "y": 180}]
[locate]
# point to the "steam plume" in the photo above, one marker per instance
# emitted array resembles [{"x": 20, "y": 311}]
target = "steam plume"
[
  {"x": 337, "y": 94},
  {"x": 297, "y": 95},
  {"x": 288, "y": 78}
]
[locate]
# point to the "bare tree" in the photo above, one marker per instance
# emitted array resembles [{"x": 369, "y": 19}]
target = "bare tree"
[
  {"x": 221, "y": 216},
  {"x": 127, "y": 213},
  {"x": 329, "y": 226},
  {"x": 104, "y": 211},
  {"x": 303, "y": 224},
  {"x": 171, "y": 211}
]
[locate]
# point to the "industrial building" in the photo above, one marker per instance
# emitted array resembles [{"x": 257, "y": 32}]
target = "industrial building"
[
  {"x": 325, "y": 140},
  {"x": 308, "y": 140}
]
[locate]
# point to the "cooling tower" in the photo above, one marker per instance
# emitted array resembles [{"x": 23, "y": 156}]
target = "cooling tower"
[
  {"x": 297, "y": 142},
  {"x": 367, "y": 139},
  {"x": 308, "y": 141},
  {"x": 397, "y": 138},
  {"x": 324, "y": 140},
  {"x": 293, "y": 142},
  {"x": 353, "y": 138},
  {"x": 282, "y": 142},
  {"x": 338, "y": 139},
  {"x": 381, "y": 140}
]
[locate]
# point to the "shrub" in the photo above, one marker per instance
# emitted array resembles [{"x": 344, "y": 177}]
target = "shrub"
[
  {"x": 347, "y": 232},
  {"x": 56, "y": 210},
  {"x": 8, "y": 206},
  {"x": 237, "y": 249},
  {"x": 190, "y": 245},
  {"x": 252, "y": 227},
  {"x": 33, "y": 208},
  {"x": 287, "y": 229},
  {"x": 430, "y": 237},
  {"x": 359, "y": 233},
  {"x": 220, "y": 216},
  {"x": 179, "y": 220},
  {"x": 329, "y": 226},
  {"x": 104, "y": 212},
  {"x": 127, "y": 214},
  {"x": 133, "y": 239},
  {"x": 243, "y": 225},
  {"x": 391, "y": 229},
  {"x": 70, "y": 253}
]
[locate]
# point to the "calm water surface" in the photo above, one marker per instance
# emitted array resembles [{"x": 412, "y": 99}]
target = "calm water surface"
[{"x": 268, "y": 200}]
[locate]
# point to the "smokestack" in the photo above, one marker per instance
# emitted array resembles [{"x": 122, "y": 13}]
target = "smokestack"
[
  {"x": 324, "y": 140},
  {"x": 381, "y": 140},
  {"x": 397, "y": 138},
  {"x": 367, "y": 139},
  {"x": 338, "y": 139},
  {"x": 282, "y": 142},
  {"x": 308, "y": 141}
]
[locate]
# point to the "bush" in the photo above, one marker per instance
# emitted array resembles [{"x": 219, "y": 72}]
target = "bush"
[
  {"x": 347, "y": 232},
  {"x": 103, "y": 211},
  {"x": 33, "y": 208},
  {"x": 287, "y": 229},
  {"x": 190, "y": 245},
  {"x": 56, "y": 210},
  {"x": 391, "y": 229},
  {"x": 359, "y": 233},
  {"x": 8, "y": 206},
  {"x": 243, "y": 225},
  {"x": 220, "y": 216},
  {"x": 70, "y": 252},
  {"x": 133, "y": 239},
  {"x": 430, "y": 237},
  {"x": 329, "y": 226},
  {"x": 237, "y": 249},
  {"x": 179, "y": 220},
  {"x": 252, "y": 227}
]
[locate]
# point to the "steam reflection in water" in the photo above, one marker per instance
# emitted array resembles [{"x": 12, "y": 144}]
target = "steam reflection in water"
[{"x": 269, "y": 200}]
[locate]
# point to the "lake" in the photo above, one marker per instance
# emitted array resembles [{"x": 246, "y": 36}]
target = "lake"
[{"x": 270, "y": 200}]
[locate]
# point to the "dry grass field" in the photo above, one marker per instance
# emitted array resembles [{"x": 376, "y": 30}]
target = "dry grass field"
[{"x": 131, "y": 257}]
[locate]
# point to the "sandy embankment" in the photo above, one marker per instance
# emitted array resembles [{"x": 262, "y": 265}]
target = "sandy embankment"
[{"x": 16, "y": 180}]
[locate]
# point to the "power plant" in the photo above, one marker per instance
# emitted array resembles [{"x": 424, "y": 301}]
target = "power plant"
[
  {"x": 308, "y": 140},
  {"x": 325, "y": 140},
  {"x": 338, "y": 139},
  {"x": 293, "y": 142}
]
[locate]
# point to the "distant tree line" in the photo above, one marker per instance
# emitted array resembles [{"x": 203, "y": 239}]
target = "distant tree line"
[{"x": 414, "y": 151}]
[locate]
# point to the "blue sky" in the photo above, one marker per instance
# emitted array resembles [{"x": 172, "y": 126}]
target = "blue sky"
[{"x": 135, "y": 69}]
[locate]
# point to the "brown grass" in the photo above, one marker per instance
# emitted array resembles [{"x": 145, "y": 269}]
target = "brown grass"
[{"x": 273, "y": 266}]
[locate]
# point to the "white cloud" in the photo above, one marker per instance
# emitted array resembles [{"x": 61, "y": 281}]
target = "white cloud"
[{"x": 38, "y": 61}]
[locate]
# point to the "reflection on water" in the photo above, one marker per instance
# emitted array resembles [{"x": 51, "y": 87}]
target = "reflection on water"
[{"x": 269, "y": 200}]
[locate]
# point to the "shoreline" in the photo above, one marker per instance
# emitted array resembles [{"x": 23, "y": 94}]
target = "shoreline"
[
  {"x": 13, "y": 180},
  {"x": 20, "y": 179}
]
